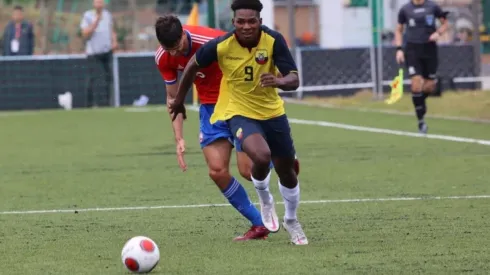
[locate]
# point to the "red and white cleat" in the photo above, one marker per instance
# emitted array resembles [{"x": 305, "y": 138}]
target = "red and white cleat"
[
  {"x": 254, "y": 233},
  {"x": 269, "y": 216},
  {"x": 293, "y": 227}
]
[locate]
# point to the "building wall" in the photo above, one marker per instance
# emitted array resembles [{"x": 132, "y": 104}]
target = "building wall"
[{"x": 306, "y": 20}]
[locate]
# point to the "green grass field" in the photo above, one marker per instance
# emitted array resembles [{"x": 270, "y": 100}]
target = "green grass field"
[
  {"x": 474, "y": 104},
  {"x": 111, "y": 158}
]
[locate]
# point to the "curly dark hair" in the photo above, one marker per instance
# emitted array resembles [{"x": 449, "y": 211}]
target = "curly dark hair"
[
  {"x": 255, "y": 5},
  {"x": 169, "y": 30}
]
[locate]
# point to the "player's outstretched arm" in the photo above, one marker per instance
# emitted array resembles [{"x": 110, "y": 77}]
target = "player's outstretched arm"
[
  {"x": 177, "y": 126},
  {"x": 178, "y": 123}
]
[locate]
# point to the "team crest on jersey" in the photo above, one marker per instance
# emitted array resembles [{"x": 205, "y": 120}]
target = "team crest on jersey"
[
  {"x": 261, "y": 56},
  {"x": 239, "y": 133},
  {"x": 429, "y": 19}
]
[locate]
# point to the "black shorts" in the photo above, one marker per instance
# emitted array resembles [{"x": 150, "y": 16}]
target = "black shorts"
[
  {"x": 276, "y": 132},
  {"x": 421, "y": 59}
]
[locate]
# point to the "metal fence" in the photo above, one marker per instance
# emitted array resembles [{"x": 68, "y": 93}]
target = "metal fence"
[
  {"x": 35, "y": 82},
  {"x": 344, "y": 71}
]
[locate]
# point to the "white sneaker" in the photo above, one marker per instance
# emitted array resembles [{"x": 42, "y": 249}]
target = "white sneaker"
[
  {"x": 293, "y": 227},
  {"x": 269, "y": 216}
]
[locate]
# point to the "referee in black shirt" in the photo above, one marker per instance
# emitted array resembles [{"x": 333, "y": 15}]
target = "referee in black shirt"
[{"x": 420, "y": 50}]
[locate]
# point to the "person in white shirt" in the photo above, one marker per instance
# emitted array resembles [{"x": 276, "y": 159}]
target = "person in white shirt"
[{"x": 100, "y": 42}]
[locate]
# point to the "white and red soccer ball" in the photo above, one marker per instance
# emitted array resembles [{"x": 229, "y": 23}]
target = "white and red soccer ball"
[{"x": 140, "y": 254}]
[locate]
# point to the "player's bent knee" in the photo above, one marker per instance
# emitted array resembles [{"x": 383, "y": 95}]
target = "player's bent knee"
[
  {"x": 220, "y": 176},
  {"x": 245, "y": 172},
  {"x": 429, "y": 86},
  {"x": 263, "y": 158},
  {"x": 260, "y": 156},
  {"x": 416, "y": 84}
]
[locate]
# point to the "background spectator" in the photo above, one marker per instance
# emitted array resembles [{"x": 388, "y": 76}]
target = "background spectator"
[
  {"x": 100, "y": 41},
  {"x": 18, "y": 36}
]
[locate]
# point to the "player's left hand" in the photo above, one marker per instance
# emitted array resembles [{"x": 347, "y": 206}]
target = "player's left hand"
[
  {"x": 269, "y": 80},
  {"x": 180, "y": 150},
  {"x": 434, "y": 36}
]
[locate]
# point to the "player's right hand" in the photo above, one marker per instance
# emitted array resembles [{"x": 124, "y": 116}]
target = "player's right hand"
[
  {"x": 400, "y": 57},
  {"x": 176, "y": 109},
  {"x": 180, "y": 150}
]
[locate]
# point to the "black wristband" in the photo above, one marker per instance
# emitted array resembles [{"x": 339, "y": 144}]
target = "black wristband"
[{"x": 399, "y": 48}]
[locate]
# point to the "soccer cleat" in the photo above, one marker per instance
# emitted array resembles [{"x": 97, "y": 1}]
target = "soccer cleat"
[
  {"x": 293, "y": 227},
  {"x": 269, "y": 216},
  {"x": 423, "y": 128},
  {"x": 254, "y": 233}
]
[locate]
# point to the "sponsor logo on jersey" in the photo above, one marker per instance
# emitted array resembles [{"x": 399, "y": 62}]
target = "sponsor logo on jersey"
[{"x": 234, "y": 58}]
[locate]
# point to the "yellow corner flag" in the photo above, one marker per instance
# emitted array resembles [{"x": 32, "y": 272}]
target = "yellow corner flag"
[
  {"x": 193, "y": 20},
  {"x": 396, "y": 88}
]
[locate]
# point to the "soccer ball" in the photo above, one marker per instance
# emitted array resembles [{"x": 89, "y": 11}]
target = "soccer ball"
[{"x": 140, "y": 254}]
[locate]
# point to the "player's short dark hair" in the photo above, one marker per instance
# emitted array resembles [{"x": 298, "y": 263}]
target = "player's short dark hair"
[
  {"x": 255, "y": 5},
  {"x": 169, "y": 30},
  {"x": 18, "y": 8}
]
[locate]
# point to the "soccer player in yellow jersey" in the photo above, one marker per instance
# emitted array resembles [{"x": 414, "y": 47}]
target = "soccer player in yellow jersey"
[{"x": 249, "y": 102}]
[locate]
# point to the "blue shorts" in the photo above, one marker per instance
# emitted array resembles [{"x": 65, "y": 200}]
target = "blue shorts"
[
  {"x": 209, "y": 133},
  {"x": 276, "y": 132}
]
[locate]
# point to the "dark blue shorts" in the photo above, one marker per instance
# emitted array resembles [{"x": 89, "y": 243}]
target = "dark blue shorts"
[
  {"x": 276, "y": 132},
  {"x": 209, "y": 133}
]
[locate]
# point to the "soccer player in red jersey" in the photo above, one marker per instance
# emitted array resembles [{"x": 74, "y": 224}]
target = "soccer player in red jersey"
[{"x": 178, "y": 44}]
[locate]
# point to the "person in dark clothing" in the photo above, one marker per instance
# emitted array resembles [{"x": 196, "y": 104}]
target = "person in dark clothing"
[
  {"x": 420, "y": 50},
  {"x": 18, "y": 36}
]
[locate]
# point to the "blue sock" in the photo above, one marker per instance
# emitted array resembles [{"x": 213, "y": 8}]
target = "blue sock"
[{"x": 237, "y": 196}]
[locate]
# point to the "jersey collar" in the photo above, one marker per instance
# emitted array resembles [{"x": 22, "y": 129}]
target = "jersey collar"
[{"x": 189, "y": 40}]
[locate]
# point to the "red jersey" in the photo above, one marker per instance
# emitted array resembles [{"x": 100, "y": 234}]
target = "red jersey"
[{"x": 208, "y": 79}]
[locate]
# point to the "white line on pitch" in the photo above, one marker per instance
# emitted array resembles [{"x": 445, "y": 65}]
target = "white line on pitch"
[
  {"x": 108, "y": 209},
  {"x": 372, "y": 130},
  {"x": 388, "y": 131},
  {"x": 381, "y": 111}
]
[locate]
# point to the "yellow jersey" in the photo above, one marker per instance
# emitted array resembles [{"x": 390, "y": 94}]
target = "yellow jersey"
[{"x": 241, "y": 92}]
